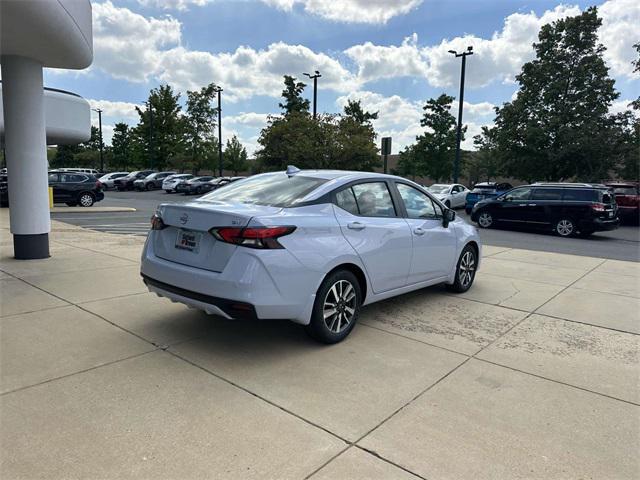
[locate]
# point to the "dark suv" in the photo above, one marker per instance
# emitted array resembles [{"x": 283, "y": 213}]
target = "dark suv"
[
  {"x": 564, "y": 208},
  {"x": 75, "y": 188},
  {"x": 126, "y": 183}
]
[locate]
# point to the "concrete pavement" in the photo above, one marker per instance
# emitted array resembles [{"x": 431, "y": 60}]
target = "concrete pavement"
[{"x": 533, "y": 373}]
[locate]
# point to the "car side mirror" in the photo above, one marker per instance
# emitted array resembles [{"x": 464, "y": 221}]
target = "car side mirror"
[{"x": 448, "y": 217}]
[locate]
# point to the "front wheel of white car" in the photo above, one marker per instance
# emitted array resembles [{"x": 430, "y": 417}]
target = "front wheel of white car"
[
  {"x": 465, "y": 270},
  {"x": 336, "y": 307}
]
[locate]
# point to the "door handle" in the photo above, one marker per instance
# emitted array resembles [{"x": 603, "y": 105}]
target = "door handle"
[
  {"x": 419, "y": 231},
  {"x": 356, "y": 225}
]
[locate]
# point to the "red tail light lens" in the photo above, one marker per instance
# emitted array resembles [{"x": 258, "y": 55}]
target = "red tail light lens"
[
  {"x": 598, "y": 207},
  {"x": 252, "y": 237},
  {"x": 157, "y": 223}
]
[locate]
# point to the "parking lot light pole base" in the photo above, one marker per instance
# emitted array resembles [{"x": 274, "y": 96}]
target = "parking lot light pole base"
[{"x": 31, "y": 247}]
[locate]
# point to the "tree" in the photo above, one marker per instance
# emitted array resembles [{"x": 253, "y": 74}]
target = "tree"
[
  {"x": 434, "y": 151},
  {"x": 200, "y": 123},
  {"x": 484, "y": 163},
  {"x": 121, "y": 145},
  {"x": 292, "y": 94},
  {"x": 559, "y": 126},
  {"x": 356, "y": 139},
  {"x": 235, "y": 156},
  {"x": 160, "y": 129},
  {"x": 636, "y": 68}
]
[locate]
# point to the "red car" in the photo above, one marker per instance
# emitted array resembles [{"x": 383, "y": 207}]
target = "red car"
[{"x": 628, "y": 199}]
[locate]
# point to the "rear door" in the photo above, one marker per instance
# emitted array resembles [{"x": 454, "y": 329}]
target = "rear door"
[
  {"x": 544, "y": 205},
  {"x": 370, "y": 222},
  {"x": 434, "y": 246}
]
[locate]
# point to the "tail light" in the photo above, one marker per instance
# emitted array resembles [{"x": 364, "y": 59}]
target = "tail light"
[
  {"x": 98, "y": 184},
  {"x": 157, "y": 223},
  {"x": 598, "y": 207},
  {"x": 252, "y": 237}
]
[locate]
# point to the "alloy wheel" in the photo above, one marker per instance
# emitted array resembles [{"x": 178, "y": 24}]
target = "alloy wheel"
[
  {"x": 339, "y": 306},
  {"x": 86, "y": 200},
  {"x": 564, "y": 227},
  {"x": 467, "y": 268},
  {"x": 485, "y": 220}
]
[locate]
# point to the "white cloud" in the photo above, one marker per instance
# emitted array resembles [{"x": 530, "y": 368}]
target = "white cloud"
[
  {"x": 356, "y": 11},
  {"x": 399, "y": 118},
  {"x": 248, "y": 72},
  {"x": 248, "y": 119},
  {"x": 120, "y": 111},
  {"x": 619, "y": 31},
  {"x": 129, "y": 46}
]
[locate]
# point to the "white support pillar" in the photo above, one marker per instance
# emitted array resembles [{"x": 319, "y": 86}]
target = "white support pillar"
[{"x": 26, "y": 148}]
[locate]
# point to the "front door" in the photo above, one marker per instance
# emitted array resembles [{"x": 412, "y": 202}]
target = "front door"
[
  {"x": 370, "y": 222},
  {"x": 434, "y": 246},
  {"x": 59, "y": 194},
  {"x": 514, "y": 207}
]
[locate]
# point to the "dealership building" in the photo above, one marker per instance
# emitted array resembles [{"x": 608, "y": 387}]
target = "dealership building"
[{"x": 35, "y": 34}]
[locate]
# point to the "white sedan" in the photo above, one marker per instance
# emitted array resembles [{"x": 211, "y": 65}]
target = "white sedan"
[
  {"x": 310, "y": 246},
  {"x": 452, "y": 195},
  {"x": 107, "y": 180}
]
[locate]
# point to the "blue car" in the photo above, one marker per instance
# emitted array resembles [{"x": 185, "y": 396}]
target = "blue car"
[{"x": 484, "y": 190}]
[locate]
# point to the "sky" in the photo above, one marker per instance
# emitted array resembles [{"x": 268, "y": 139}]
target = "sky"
[{"x": 390, "y": 54}]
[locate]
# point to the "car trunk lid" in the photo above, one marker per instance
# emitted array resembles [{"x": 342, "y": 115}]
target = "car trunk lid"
[{"x": 186, "y": 238}]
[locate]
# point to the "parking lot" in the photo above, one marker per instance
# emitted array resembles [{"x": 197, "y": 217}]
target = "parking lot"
[
  {"x": 533, "y": 373},
  {"x": 620, "y": 244}
]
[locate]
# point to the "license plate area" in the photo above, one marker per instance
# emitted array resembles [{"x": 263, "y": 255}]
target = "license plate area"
[{"x": 188, "y": 240}]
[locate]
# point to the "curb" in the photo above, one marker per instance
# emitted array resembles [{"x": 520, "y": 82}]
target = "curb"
[{"x": 91, "y": 209}]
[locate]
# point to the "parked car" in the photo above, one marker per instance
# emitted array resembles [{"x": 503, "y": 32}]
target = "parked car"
[
  {"x": 193, "y": 186},
  {"x": 91, "y": 171},
  {"x": 108, "y": 179},
  {"x": 484, "y": 190},
  {"x": 628, "y": 200},
  {"x": 169, "y": 183},
  {"x": 126, "y": 183},
  {"x": 214, "y": 184},
  {"x": 564, "y": 208},
  {"x": 153, "y": 181},
  {"x": 74, "y": 188},
  {"x": 452, "y": 195},
  {"x": 4, "y": 190},
  {"x": 311, "y": 246}
]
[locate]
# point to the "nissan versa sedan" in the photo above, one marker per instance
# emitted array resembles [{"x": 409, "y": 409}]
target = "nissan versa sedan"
[{"x": 309, "y": 246}]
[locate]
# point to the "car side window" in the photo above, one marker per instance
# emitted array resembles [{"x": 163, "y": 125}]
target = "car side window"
[
  {"x": 374, "y": 200},
  {"x": 53, "y": 177},
  {"x": 517, "y": 194},
  {"x": 418, "y": 204},
  {"x": 546, "y": 194},
  {"x": 346, "y": 200}
]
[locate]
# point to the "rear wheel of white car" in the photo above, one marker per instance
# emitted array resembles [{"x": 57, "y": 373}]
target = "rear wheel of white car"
[
  {"x": 465, "y": 270},
  {"x": 336, "y": 308}
]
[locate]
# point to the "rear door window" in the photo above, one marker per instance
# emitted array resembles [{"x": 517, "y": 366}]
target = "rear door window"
[
  {"x": 374, "y": 199},
  {"x": 580, "y": 195},
  {"x": 518, "y": 194},
  {"x": 346, "y": 200},
  {"x": 546, "y": 194}
]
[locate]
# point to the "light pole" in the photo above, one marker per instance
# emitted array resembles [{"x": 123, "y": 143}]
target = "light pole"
[
  {"x": 456, "y": 165},
  {"x": 218, "y": 90},
  {"x": 150, "y": 108},
  {"x": 99, "y": 111},
  {"x": 315, "y": 89}
]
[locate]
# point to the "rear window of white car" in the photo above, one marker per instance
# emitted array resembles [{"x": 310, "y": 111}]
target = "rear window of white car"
[{"x": 277, "y": 190}]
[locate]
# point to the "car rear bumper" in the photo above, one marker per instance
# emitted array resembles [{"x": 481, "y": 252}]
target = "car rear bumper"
[
  {"x": 99, "y": 196},
  {"x": 600, "y": 225},
  {"x": 263, "y": 284}
]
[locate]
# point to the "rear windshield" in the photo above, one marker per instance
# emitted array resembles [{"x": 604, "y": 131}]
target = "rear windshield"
[
  {"x": 581, "y": 195},
  {"x": 277, "y": 190}
]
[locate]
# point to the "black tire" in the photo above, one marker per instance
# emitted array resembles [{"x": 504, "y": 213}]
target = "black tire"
[
  {"x": 167, "y": 191},
  {"x": 86, "y": 199},
  {"x": 565, "y": 227},
  {"x": 198, "y": 190},
  {"x": 485, "y": 219},
  {"x": 328, "y": 331},
  {"x": 150, "y": 186},
  {"x": 465, "y": 270}
]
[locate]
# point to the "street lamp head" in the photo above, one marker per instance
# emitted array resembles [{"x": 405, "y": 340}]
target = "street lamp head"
[
  {"x": 469, "y": 48},
  {"x": 318, "y": 73},
  {"x": 453, "y": 52}
]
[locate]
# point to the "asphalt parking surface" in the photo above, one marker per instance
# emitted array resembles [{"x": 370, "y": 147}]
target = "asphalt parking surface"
[{"x": 620, "y": 244}]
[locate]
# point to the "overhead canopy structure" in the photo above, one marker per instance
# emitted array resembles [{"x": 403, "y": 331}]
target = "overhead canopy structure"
[
  {"x": 36, "y": 34},
  {"x": 67, "y": 117}
]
